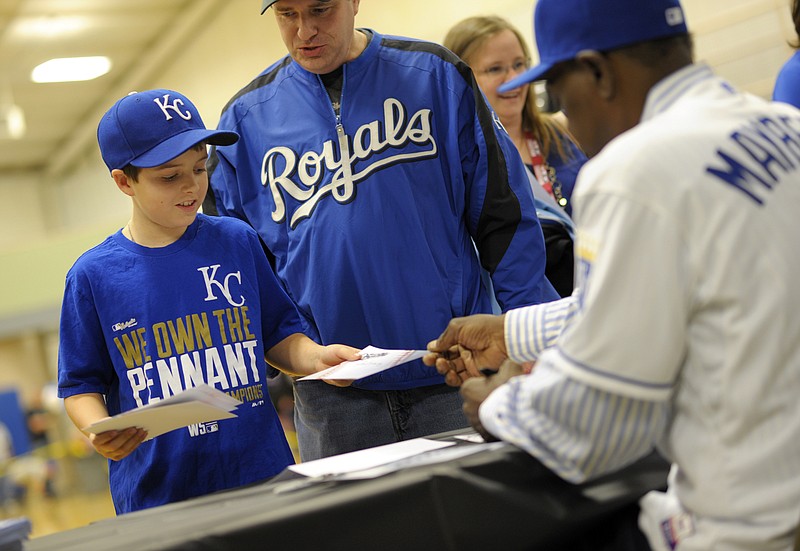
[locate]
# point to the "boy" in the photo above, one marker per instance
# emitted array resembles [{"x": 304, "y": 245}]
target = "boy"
[{"x": 173, "y": 300}]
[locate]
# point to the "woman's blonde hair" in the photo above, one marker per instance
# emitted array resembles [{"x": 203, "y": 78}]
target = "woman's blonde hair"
[{"x": 469, "y": 35}]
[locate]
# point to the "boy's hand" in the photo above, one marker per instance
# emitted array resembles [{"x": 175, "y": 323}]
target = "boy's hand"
[
  {"x": 334, "y": 354},
  {"x": 117, "y": 444}
]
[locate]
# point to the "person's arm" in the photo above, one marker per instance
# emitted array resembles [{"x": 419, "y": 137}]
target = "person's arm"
[
  {"x": 530, "y": 331},
  {"x": 577, "y": 431},
  {"x": 85, "y": 409},
  {"x": 297, "y": 355},
  {"x": 84, "y": 368},
  {"x": 501, "y": 215},
  {"x": 223, "y": 198}
]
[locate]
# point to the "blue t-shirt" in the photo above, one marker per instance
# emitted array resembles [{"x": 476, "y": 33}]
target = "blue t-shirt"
[{"x": 140, "y": 324}]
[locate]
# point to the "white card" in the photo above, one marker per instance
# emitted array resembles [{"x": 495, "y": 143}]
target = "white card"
[{"x": 373, "y": 360}]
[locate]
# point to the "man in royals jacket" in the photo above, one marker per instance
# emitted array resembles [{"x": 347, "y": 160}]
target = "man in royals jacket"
[{"x": 373, "y": 170}]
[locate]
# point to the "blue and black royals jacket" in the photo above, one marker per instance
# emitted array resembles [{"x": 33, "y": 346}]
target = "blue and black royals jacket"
[{"x": 371, "y": 213}]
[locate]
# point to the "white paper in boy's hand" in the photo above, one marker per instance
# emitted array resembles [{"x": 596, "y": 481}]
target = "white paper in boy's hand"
[
  {"x": 373, "y": 360},
  {"x": 200, "y": 404}
]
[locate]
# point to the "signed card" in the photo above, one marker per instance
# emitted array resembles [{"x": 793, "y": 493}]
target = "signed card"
[{"x": 373, "y": 360}]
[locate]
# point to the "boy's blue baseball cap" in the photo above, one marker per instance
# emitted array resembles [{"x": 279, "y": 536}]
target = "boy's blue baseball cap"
[
  {"x": 564, "y": 28},
  {"x": 147, "y": 129},
  {"x": 266, "y": 4}
]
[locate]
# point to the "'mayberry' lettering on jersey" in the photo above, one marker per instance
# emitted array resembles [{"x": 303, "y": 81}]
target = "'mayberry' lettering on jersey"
[
  {"x": 280, "y": 164},
  {"x": 758, "y": 154}
]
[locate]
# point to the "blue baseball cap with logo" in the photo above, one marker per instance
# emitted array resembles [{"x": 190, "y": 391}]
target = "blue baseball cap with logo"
[
  {"x": 147, "y": 129},
  {"x": 266, "y": 4},
  {"x": 564, "y": 28}
]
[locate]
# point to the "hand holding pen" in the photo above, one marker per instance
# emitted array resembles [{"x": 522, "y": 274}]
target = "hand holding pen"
[
  {"x": 476, "y": 390},
  {"x": 454, "y": 363},
  {"x": 467, "y": 345}
]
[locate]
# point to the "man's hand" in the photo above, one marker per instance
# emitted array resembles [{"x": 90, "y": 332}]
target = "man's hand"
[
  {"x": 466, "y": 346},
  {"x": 454, "y": 364},
  {"x": 476, "y": 390}
]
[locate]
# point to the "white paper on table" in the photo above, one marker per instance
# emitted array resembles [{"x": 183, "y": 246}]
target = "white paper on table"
[
  {"x": 200, "y": 404},
  {"x": 373, "y": 360},
  {"x": 367, "y": 459},
  {"x": 430, "y": 457}
]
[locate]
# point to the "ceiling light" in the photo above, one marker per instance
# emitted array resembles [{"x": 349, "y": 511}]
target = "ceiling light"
[
  {"x": 70, "y": 69},
  {"x": 12, "y": 121},
  {"x": 49, "y": 27}
]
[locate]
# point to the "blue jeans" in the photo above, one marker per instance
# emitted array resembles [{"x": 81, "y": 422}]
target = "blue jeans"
[{"x": 331, "y": 420}]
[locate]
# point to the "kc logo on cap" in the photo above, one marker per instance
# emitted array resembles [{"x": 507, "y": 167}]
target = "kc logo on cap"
[
  {"x": 176, "y": 105},
  {"x": 147, "y": 129}
]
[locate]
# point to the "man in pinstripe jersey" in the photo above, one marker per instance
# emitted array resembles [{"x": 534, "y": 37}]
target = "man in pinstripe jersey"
[{"x": 683, "y": 332}]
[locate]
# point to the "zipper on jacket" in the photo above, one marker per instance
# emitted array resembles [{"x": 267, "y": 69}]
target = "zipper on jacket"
[
  {"x": 347, "y": 173},
  {"x": 343, "y": 191}
]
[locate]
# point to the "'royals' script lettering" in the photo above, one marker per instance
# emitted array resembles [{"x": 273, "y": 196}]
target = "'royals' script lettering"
[{"x": 280, "y": 163}]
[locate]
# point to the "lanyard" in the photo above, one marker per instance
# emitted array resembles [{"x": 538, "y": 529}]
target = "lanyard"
[
  {"x": 539, "y": 166},
  {"x": 541, "y": 171}
]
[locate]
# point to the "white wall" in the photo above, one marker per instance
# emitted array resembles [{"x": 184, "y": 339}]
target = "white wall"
[{"x": 21, "y": 213}]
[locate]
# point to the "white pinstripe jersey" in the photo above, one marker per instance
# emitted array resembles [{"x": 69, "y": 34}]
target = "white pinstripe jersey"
[{"x": 688, "y": 229}]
